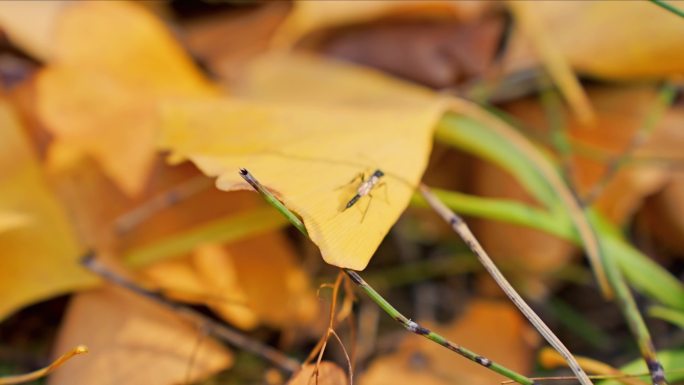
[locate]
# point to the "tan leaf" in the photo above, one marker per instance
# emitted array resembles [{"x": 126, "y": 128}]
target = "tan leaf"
[{"x": 133, "y": 341}]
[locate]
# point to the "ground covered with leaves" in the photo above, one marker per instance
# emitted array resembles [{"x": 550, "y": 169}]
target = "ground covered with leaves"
[{"x": 377, "y": 134}]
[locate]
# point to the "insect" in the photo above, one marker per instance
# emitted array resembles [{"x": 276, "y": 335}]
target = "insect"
[{"x": 365, "y": 188}]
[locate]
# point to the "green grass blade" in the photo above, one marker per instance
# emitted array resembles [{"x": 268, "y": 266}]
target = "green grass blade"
[
  {"x": 673, "y": 316},
  {"x": 229, "y": 229}
]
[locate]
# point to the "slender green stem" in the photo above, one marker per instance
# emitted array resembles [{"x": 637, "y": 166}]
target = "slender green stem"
[
  {"x": 407, "y": 323},
  {"x": 669, "y": 7}
]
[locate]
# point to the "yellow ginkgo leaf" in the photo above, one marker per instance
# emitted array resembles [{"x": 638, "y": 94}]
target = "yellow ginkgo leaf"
[
  {"x": 311, "y": 131},
  {"x": 113, "y": 62},
  {"x": 39, "y": 258}
]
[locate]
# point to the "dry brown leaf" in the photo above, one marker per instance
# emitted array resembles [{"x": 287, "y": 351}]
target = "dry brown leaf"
[
  {"x": 102, "y": 102},
  {"x": 663, "y": 215},
  {"x": 308, "y": 16},
  {"x": 328, "y": 374},
  {"x": 39, "y": 258},
  {"x": 493, "y": 329},
  {"x": 440, "y": 54},
  {"x": 226, "y": 41},
  {"x": 621, "y": 111},
  {"x": 133, "y": 341},
  {"x": 611, "y": 39}
]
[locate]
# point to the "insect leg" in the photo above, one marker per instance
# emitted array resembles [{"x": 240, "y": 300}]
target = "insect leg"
[
  {"x": 370, "y": 199},
  {"x": 384, "y": 190},
  {"x": 360, "y": 175}
]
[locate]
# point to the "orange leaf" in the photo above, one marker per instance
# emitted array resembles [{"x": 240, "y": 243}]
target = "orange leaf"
[{"x": 113, "y": 63}]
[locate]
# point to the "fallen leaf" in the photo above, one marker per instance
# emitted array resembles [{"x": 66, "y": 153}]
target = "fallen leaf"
[
  {"x": 620, "y": 113},
  {"x": 11, "y": 220},
  {"x": 308, "y": 16},
  {"x": 309, "y": 146},
  {"x": 102, "y": 102},
  {"x": 278, "y": 289},
  {"x": 328, "y": 374},
  {"x": 442, "y": 54},
  {"x": 209, "y": 278},
  {"x": 493, "y": 329},
  {"x": 98, "y": 209},
  {"x": 36, "y": 36},
  {"x": 226, "y": 41},
  {"x": 249, "y": 282},
  {"x": 39, "y": 258},
  {"x": 662, "y": 215},
  {"x": 133, "y": 341},
  {"x": 615, "y": 40}
]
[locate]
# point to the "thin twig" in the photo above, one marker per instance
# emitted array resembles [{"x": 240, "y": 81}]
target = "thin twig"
[
  {"x": 407, "y": 323},
  {"x": 223, "y": 332},
  {"x": 460, "y": 227},
  {"x": 177, "y": 194}
]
